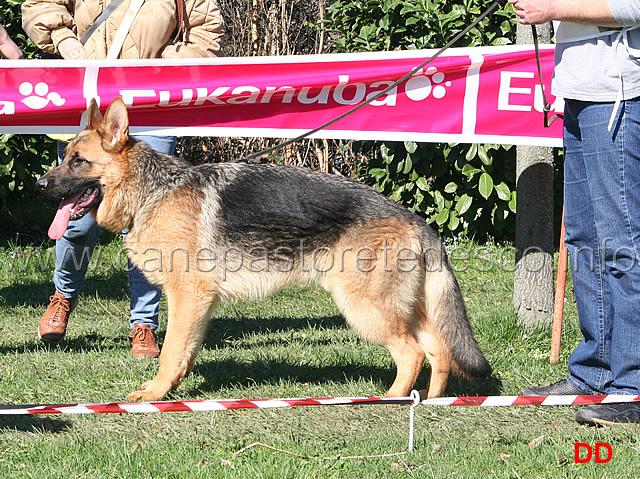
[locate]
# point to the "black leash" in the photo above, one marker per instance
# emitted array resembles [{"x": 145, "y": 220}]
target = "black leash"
[
  {"x": 461, "y": 34},
  {"x": 547, "y": 106}
]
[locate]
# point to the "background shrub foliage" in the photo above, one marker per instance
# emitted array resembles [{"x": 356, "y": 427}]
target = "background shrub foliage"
[
  {"x": 23, "y": 158},
  {"x": 460, "y": 188}
]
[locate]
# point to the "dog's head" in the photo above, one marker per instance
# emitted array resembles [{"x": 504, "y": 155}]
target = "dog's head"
[{"x": 81, "y": 180}]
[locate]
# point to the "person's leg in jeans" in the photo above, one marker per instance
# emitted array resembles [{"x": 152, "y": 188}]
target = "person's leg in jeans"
[
  {"x": 602, "y": 218},
  {"x": 589, "y": 368},
  {"x": 73, "y": 253},
  {"x": 74, "y": 250},
  {"x": 145, "y": 298}
]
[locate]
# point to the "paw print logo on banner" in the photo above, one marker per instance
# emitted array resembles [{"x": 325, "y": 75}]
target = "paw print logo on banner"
[
  {"x": 42, "y": 96},
  {"x": 423, "y": 84}
]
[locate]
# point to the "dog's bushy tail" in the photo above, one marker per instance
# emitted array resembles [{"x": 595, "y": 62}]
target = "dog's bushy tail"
[{"x": 446, "y": 312}]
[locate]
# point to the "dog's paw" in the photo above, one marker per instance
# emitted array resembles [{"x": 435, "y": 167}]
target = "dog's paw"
[
  {"x": 145, "y": 396},
  {"x": 145, "y": 386},
  {"x": 136, "y": 396},
  {"x": 146, "y": 393}
]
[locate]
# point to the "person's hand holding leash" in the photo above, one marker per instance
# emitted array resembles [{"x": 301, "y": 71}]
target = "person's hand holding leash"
[
  {"x": 533, "y": 12},
  {"x": 591, "y": 12}
]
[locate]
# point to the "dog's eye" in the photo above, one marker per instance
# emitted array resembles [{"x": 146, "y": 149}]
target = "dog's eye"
[{"x": 77, "y": 161}]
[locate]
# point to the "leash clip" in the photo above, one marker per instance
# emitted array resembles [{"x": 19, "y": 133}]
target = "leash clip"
[{"x": 547, "y": 106}]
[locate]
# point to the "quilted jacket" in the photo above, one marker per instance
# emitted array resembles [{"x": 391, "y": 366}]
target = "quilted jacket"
[{"x": 48, "y": 22}]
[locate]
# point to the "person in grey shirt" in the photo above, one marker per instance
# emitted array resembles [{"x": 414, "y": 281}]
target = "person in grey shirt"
[{"x": 597, "y": 73}]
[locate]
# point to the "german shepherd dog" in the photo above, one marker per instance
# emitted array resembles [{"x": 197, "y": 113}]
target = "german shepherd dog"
[{"x": 232, "y": 231}]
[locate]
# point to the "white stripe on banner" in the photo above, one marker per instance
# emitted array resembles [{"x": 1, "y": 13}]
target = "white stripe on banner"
[
  {"x": 469, "y": 115},
  {"x": 340, "y": 400},
  {"x": 90, "y": 91},
  {"x": 438, "y": 402}
]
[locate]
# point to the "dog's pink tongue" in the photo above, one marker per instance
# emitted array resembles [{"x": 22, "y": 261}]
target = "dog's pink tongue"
[{"x": 61, "y": 221}]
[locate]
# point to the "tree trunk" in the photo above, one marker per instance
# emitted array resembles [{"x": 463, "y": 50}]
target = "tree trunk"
[{"x": 533, "y": 291}]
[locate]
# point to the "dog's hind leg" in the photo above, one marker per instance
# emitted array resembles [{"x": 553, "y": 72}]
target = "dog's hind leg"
[
  {"x": 377, "y": 299},
  {"x": 391, "y": 330},
  {"x": 409, "y": 358},
  {"x": 379, "y": 319},
  {"x": 438, "y": 355},
  {"x": 188, "y": 318}
]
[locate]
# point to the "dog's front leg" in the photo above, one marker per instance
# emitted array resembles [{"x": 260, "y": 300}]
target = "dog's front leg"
[{"x": 189, "y": 314}]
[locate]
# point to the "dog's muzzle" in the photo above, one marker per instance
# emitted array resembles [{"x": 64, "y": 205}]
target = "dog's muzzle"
[{"x": 42, "y": 183}]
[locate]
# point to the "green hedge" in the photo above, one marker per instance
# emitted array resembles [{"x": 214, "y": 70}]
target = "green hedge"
[{"x": 460, "y": 188}]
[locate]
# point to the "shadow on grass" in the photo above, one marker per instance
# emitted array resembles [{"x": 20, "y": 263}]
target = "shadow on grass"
[
  {"x": 35, "y": 293},
  {"x": 227, "y": 332},
  {"x": 219, "y": 374},
  {"x": 33, "y": 423},
  {"x": 223, "y": 331},
  {"x": 87, "y": 342}
]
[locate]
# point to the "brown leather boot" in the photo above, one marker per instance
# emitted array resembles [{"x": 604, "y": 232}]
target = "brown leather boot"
[
  {"x": 143, "y": 344},
  {"x": 53, "y": 324}
]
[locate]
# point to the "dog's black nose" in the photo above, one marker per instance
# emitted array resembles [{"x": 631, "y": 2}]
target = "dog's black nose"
[{"x": 42, "y": 183}]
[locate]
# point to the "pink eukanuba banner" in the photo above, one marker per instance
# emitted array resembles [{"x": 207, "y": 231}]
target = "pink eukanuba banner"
[{"x": 472, "y": 95}]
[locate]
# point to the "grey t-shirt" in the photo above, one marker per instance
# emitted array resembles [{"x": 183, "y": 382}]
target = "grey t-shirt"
[{"x": 594, "y": 69}]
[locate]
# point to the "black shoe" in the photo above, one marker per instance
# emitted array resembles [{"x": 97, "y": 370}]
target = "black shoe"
[
  {"x": 561, "y": 388},
  {"x": 608, "y": 414}
]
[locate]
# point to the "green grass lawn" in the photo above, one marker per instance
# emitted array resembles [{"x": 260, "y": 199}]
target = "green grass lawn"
[{"x": 294, "y": 344}]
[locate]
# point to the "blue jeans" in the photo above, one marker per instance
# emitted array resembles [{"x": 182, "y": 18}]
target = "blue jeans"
[
  {"x": 74, "y": 250},
  {"x": 602, "y": 219}
]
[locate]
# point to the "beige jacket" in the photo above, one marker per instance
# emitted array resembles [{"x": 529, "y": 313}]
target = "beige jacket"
[{"x": 48, "y": 22}]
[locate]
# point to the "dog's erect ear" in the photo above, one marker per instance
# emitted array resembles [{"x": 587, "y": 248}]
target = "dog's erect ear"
[
  {"x": 114, "y": 128},
  {"x": 95, "y": 117}
]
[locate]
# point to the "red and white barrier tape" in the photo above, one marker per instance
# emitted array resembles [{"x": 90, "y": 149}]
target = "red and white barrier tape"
[
  {"x": 221, "y": 405},
  {"x": 203, "y": 405},
  {"x": 531, "y": 400}
]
